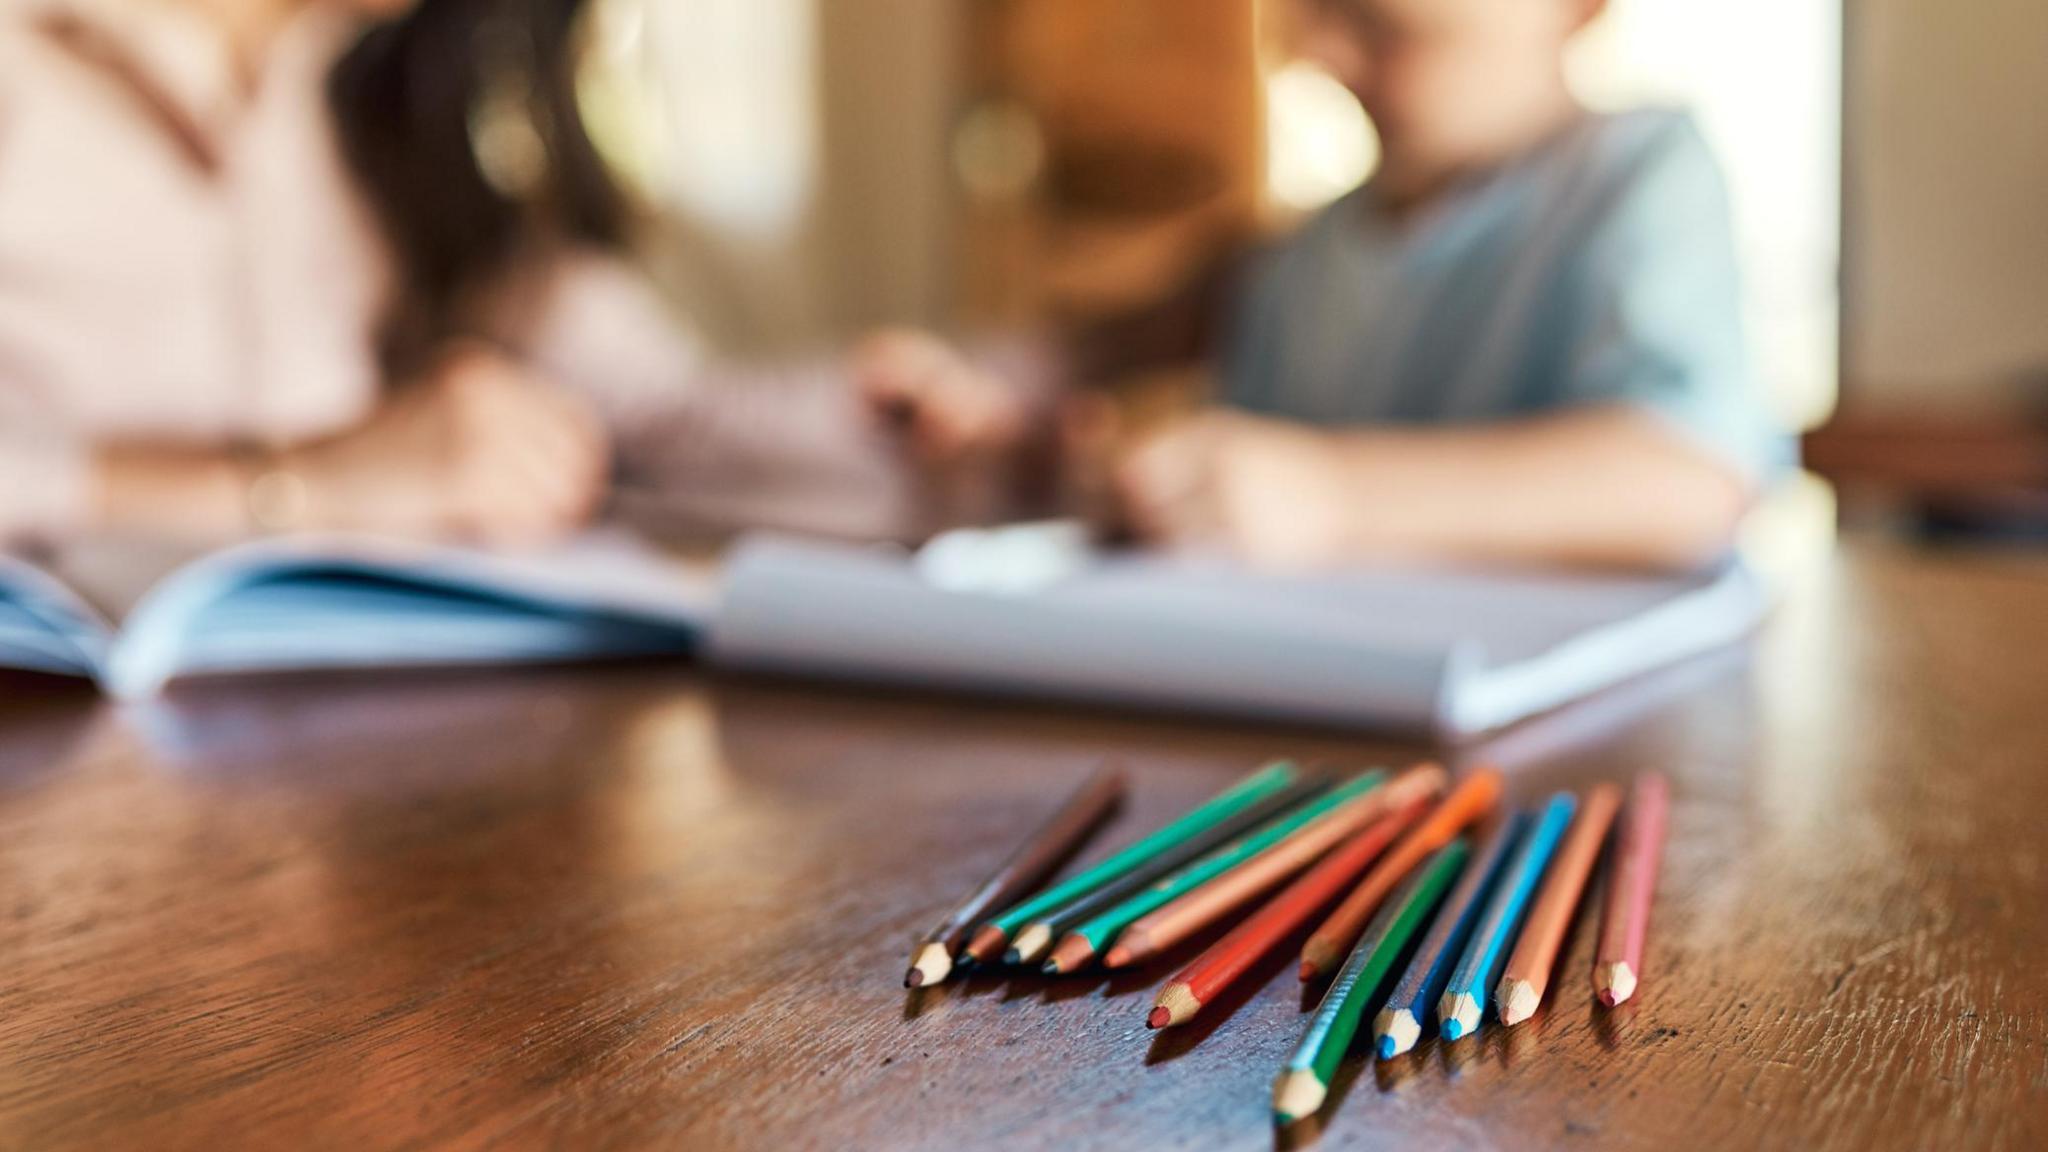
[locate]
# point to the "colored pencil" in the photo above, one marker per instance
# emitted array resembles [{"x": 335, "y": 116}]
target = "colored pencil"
[
  {"x": 988, "y": 941},
  {"x": 1331, "y": 942},
  {"x": 1225, "y": 961},
  {"x": 1169, "y": 926},
  {"x": 1528, "y": 973},
  {"x": 1080, "y": 943},
  {"x": 1038, "y": 937},
  {"x": 1399, "y": 1024},
  {"x": 1305, "y": 1082},
  {"x": 1463, "y": 1004},
  {"x": 1618, "y": 962},
  {"x": 1027, "y": 867}
]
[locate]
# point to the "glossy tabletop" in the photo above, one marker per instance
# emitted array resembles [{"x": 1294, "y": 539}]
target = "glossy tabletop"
[{"x": 632, "y": 907}]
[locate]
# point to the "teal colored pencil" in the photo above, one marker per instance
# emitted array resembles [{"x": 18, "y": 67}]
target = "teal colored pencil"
[
  {"x": 1463, "y": 1003},
  {"x": 1399, "y": 1024},
  {"x": 1305, "y": 1082},
  {"x": 1085, "y": 940},
  {"x": 989, "y": 940}
]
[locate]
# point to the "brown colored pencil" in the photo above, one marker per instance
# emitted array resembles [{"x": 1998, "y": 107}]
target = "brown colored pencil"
[
  {"x": 1527, "y": 975},
  {"x": 1176, "y": 922},
  {"x": 1618, "y": 962},
  {"x": 1332, "y": 942},
  {"x": 1026, "y": 868}
]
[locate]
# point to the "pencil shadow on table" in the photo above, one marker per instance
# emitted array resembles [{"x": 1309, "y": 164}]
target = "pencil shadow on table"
[
  {"x": 981, "y": 982},
  {"x": 1008, "y": 983},
  {"x": 1304, "y": 1133},
  {"x": 1389, "y": 1075},
  {"x": 1610, "y": 1025},
  {"x": 1111, "y": 984}
]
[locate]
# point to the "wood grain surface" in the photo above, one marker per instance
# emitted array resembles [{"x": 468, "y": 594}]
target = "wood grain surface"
[{"x": 626, "y": 907}]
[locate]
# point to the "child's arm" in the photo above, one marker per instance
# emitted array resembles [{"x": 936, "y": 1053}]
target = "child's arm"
[{"x": 1601, "y": 486}]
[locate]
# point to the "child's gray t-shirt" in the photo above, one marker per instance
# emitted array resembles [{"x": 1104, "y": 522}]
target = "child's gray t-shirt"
[{"x": 1599, "y": 270}]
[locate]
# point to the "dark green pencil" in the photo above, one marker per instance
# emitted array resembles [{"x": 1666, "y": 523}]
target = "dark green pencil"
[
  {"x": 987, "y": 943},
  {"x": 1305, "y": 1082},
  {"x": 1038, "y": 937}
]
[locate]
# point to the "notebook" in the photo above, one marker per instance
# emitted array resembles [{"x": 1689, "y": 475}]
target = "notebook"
[
  {"x": 1034, "y": 612},
  {"x": 1029, "y": 611}
]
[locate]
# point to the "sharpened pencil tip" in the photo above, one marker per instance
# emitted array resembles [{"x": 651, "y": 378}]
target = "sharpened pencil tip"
[
  {"x": 1030, "y": 945},
  {"x": 1297, "y": 1096},
  {"x": 987, "y": 944},
  {"x": 1178, "y": 1002},
  {"x": 1158, "y": 1018},
  {"x": 1398, "y": 1029},
  {"x": 1073, "y": 954},
  {"x": 1614, "y": 983},
  {"x": 1517, "y": 1000},
  {"x": 932, "y": 964},
  {"x": 1458, "y": 1015}
]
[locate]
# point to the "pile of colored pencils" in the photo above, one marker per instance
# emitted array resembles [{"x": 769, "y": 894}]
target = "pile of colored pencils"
[{"x": 1478, "y": 902}]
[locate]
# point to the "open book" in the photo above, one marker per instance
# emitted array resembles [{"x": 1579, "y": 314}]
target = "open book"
[
  {"x": 133, "y": 621},
  {"x": 1029, "y": 611}
]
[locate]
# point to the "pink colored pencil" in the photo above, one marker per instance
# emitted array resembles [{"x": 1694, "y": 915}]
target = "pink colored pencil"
[{"x": 1618, "y": 963}]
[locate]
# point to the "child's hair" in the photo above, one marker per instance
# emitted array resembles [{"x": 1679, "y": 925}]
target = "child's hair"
[{"x": 408, "y": 100}]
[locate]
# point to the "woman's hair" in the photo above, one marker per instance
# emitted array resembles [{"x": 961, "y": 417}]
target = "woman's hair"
[{"x": 417, "y": 101}]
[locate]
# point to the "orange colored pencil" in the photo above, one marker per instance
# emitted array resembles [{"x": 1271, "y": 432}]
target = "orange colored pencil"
[
  {"x": 1618, "y": 962},
  {"x": 1332, "y": 942},
  {"x": 1217, "y": 968},
  {"x": 1169, "y": 926},
  {"x": 1527, "y": 975}
]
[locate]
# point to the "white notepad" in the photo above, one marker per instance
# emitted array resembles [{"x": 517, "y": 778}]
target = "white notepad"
[{"x": 1025, "y": 611}]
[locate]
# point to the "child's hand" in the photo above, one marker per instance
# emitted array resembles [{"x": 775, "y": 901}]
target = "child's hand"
[
  {"x": 951, "y": 412},
  {"x": 1270, "y": 492}
]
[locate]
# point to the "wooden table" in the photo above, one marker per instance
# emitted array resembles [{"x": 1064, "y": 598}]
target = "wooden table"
[{"x": 629, "y": 908}]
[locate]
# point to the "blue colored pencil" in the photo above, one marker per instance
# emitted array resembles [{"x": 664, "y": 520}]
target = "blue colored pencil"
[
  {"x": 1463, "y": 1003},
  {"x": 1399, "y": 1024}
]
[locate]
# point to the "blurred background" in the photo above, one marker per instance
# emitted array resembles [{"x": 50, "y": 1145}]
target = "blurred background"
[{"x": 975, "y": 163}]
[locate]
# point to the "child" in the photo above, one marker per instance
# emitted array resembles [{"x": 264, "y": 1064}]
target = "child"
[{"x": 1519, "y": 343}]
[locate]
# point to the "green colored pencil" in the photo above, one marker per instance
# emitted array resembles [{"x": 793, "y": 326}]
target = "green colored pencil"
[
  {"x": 1085, "y": 940},
  {"x": 990, "y": 939},
  {"x": 1305, "y": 1082}
]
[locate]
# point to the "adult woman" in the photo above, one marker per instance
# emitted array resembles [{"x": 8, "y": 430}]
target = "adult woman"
[{"x": 260, "y": 270}]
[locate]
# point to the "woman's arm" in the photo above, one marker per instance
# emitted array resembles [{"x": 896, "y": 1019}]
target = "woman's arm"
[
  {"x": 477, "y": 450},
  {"x": 182, "y": 493}
]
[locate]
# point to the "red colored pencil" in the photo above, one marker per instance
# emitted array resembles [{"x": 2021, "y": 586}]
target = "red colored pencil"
[
  {"x": 1618, "y": 962},
  {"x": 1227, "y": 959},
  {"x": 1332, "y": 942}
]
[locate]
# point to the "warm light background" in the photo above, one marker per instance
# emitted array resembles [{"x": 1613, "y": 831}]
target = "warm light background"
[{"x": 812, "y": 158}]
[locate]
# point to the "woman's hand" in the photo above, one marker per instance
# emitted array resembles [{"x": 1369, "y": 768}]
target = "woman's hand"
[
  {"x": 479, "y": 450},
  {"x": 1269, "y": 492}
]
